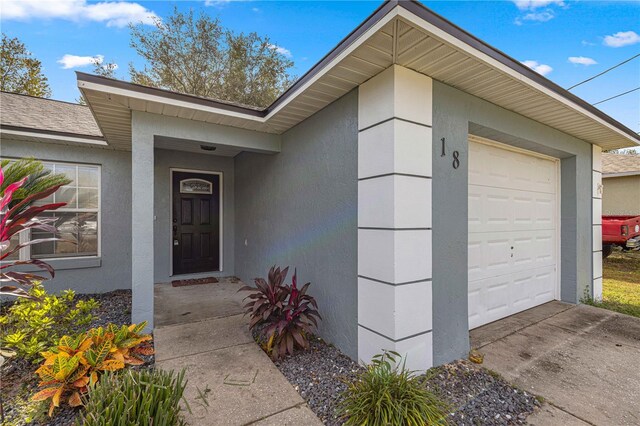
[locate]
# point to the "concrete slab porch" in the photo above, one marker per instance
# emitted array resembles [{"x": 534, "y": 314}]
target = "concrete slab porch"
[
  {"x": 582, "y": 360},
  {"x": 213, "y": 344},
  {"x": 181, "y": 305}
]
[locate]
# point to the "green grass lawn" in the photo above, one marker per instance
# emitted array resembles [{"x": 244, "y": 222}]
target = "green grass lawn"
[{"x": 621, "y": 283}]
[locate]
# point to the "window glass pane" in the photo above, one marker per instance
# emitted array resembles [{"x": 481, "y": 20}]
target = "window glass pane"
[
  {"x": 42, "y": 248},
  {"x": 87, "y": 198},
  {"x": 68, "y": 170},
  {"x": 88, "y": 234},
  {"x": 88, "y": 177},
  {"x": 15, "y": 240},
  {"x": 67, "y": 194},
  {"x": 79, "y": 232}
]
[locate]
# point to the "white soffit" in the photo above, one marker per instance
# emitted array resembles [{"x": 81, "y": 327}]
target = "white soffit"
[{"x": 397, "y": 36}]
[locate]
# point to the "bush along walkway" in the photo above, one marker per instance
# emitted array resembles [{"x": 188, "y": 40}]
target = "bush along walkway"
[
  {"x": 19, "y": 382},
  {"x": 230, "y": 380}
]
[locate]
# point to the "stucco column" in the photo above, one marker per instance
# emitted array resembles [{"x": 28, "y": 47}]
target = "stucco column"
[
  {"x": 142, "y": 222},
  {"x": 394, "y": 216},
  {"x": 597, "y": 222}
]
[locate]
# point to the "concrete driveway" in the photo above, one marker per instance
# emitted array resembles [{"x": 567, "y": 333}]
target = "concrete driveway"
[{"x": 584, "y": 361}]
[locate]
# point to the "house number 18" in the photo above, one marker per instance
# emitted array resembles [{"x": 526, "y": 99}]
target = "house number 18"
[{"x": 456, "y": 155}]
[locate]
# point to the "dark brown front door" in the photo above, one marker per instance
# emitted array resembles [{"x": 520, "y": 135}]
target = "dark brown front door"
[{"x": 196, "y": 222}]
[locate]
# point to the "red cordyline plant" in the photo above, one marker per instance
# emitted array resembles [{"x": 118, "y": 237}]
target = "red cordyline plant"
[
  {"x": 18, "y": 218},
  {"x": 288, "y": 314},
  {"x": 268, "y": 298}
]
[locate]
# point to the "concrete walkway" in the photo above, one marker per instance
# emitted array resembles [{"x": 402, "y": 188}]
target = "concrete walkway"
[
  {"x": 584, "y": 361},
  {"x": 231, "y": 381}
]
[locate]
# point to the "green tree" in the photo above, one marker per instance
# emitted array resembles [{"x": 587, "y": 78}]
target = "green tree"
[
  {"x": 197, "y": 55},
  {"x": 20, "y": 72}
]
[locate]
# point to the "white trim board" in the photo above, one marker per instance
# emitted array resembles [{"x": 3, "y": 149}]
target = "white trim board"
[
  {"x": 221, "y": 213},
  {"x": 74, "y": 139}
]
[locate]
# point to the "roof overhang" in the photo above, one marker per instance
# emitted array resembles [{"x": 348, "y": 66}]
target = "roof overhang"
[
  {"x": 404, "y": 33},
  {"x": 621, "y": 174}
]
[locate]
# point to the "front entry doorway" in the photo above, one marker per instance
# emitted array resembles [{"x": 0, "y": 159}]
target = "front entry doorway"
[{"x": 195, "y": 222}]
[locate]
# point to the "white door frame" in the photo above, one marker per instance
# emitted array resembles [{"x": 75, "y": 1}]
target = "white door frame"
[
  {"x": 558, "y": 234},
  {"x": 205, "y": 172}
]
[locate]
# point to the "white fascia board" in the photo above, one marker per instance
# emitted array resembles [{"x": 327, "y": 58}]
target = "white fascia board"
[
  {"x": 163, "y": 100},
  {"x": 493, "y": 63},
  {"x": 58, "y": 138},
  {"x": 620, "y": 174}
]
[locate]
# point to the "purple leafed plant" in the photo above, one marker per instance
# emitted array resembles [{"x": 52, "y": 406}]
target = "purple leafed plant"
[
  {"x": 287, "y": 314},
  {"x": 15, "y": 220}
]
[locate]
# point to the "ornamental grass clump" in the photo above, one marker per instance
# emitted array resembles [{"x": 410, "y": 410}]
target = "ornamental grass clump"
[
  {"x": 141, "y": 397},
  {"x": 388, "y": 394}
]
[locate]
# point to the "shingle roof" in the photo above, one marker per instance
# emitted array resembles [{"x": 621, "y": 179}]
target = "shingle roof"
[
  {"x": 613, "y": 164},
  {"x": 28, "y": 112}
]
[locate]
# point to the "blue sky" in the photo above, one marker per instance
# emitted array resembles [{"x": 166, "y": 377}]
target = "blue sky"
[{"x": 545, "y": 33}]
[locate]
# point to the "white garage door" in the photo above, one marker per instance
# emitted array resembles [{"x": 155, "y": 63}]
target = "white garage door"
[{"x": 513, "y": 217}]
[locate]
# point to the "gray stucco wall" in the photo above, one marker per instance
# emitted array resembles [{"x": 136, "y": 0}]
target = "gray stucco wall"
[
  {"x": 455, "y": 114},
  {"x": 299, "y": 208},
  {"x": 166, "y": 160},
  {"x": 113, "y": 270}
]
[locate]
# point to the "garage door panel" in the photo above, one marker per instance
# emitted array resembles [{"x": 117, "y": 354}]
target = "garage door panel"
[
  {"x": 497, "y": 297},
  {"x": 512, "y": 243},
  {"x": 508, "y": 169},
  {"x": 492, "y": 253},
  {"x": 499, "y": 210}
]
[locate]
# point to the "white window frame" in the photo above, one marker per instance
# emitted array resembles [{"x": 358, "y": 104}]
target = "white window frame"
[{"x": 25, "y": 252}]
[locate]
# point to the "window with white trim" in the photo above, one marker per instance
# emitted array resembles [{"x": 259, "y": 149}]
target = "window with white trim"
[{"x": 78, "y": 222}]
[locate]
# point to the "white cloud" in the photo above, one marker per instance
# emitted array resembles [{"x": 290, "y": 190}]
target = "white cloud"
[
  {"x": 536, "y": 4},
  {"x": 220, "y": 3},
  {"x": 112, "y": 13},
  {"x": 74, "y": 61},
  {"x": 255, "y": 9},
  {"x": 281, "y": 50},
  {"x": 581, "y": 60},
  {"x": 544, "y": 16},
  {"x": 622, "y": 38},
  {"x": 538, "y": 67}
]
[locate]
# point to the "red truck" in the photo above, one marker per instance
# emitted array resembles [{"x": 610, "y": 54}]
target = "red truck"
[{"x": 623, "y": 231}]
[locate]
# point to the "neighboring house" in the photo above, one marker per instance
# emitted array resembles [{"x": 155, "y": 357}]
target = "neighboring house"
[
  {"x": 621, "y": 184},
  {"x": 423, "y": 181}
]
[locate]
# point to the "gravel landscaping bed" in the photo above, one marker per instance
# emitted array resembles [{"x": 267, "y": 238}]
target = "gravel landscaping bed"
[
  {"x": 479, "y": 396},
  {"x": 19, "y": 381},
  {"x": 474, "y": 394},
  {"x": 319, "y": 376}
]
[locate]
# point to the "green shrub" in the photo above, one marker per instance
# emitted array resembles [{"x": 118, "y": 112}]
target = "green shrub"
[
  {"x": 387, "y": 394},
  {"x": 141, "y": 397},
  {"x": 33, "y": 325}
]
